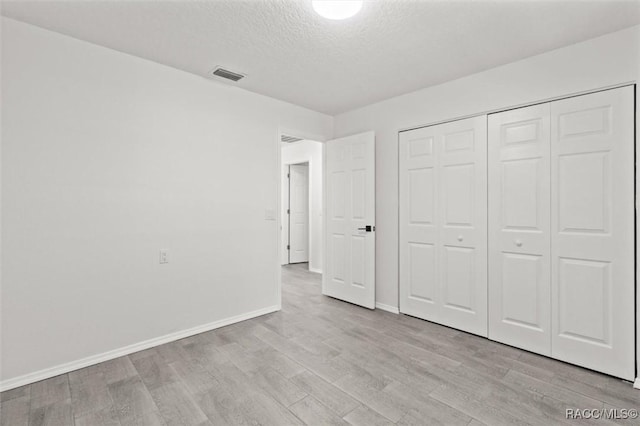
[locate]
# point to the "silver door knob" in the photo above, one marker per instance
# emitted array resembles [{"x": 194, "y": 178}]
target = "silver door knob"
[
  {"x": 518, "y": 243},
  {"x": 460, "y": 238}
]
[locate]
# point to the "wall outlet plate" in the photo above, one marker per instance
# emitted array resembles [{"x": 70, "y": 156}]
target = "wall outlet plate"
[{"x": 269, "y": 214}]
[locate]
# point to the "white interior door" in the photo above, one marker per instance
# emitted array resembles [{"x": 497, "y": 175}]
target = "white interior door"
[
  {"x": 284, "y": 216},
  {"x": 350, "y": 208},
  {"x": 443, "y": 228},
  {"x": 519, "y": 228},
  {"x": 298, "y": 213},
  {"x": 592, "y": 211}
]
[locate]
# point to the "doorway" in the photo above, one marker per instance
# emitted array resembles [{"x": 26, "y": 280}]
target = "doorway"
[
  {"x": 296, "y": 229},
  {"x": 341, "y": 176},
  {"x": 301, "y": 204}
]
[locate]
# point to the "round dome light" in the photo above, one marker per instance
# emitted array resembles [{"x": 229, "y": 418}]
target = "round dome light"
[{"x": 337, "y": 9}]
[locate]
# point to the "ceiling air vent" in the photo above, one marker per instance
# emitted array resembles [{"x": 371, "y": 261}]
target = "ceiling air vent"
[
  {"x": 226, "y": 74},
  {"x": 289, "y": 139}
]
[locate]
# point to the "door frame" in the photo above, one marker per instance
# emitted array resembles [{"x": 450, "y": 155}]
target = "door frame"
[
  {"x": 278, "y": 147},
  {"x": 313, "y": 221}
]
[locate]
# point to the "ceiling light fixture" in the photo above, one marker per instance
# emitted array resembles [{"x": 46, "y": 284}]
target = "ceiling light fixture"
[{"x": 337, "y": 9}]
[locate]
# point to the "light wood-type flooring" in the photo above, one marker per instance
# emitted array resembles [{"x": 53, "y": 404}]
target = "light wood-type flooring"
[{"x": 321, "y": 361}]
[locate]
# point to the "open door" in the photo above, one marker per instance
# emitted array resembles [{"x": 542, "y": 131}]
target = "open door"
[{"x": 349, "y": 272}]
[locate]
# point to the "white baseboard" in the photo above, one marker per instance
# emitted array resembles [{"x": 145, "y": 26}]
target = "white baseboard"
[
  {"x": 636, "y": 384},
  {"x": 136, "y": 347},
  {"x": 388, "y": 308},
  {"x": 317, "y": 271}
]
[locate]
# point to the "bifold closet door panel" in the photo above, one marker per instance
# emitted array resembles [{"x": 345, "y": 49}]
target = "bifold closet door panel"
[
  {"x": 519, "y": 228},
  {"x": 462, "y": 210},
  {"x": 592, "y": 205},
  {"x": 418, "y": 223},
  {"x": 443, "y": 216}
]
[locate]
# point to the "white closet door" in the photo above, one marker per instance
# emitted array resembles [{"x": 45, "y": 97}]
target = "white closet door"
[
  {"x": 418, "y": 224},
  {"x": 299, "y": 213},
  {"x": 443, "y": 213},
  {"x": 462, "y": 246},
  {"x": 592, "y": 205},
  {"x": 519, "y": 228}
]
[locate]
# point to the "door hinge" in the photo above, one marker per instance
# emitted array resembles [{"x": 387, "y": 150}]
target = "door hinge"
[
  {"x": 288, "y": 211},
  {"x": 288, "y": 175},
  {"x": 288, "y": 247}
]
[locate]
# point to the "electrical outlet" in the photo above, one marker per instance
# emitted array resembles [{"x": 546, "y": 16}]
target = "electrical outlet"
[
  {"x": 164, "y": 256},
  {"x": 269, "y": 214}
]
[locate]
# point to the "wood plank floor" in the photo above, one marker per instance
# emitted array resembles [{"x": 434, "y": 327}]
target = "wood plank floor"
[{"x": 321, "y": 361}]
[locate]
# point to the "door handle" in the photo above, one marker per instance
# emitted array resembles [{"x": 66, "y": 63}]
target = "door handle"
[{"x": 368, "y": 228}]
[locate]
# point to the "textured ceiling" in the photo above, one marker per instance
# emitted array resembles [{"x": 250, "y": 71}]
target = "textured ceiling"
[{"x": 290, "y": 53}]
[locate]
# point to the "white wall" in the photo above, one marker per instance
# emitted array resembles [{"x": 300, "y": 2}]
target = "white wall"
[
  {"x": 108, "y": 158},
  {"x": 311, "y": 152},
  {"x": 597, "y": 63}
]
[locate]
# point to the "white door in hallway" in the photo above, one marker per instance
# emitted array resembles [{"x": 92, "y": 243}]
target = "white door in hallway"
[
  {"x": 349, "y": 272},
  {"x": 443, "y": 224},
  {"x": 298, "y": 213},
  {"x": 519, "y": 229},
  {"x": 592, "y": 231}
]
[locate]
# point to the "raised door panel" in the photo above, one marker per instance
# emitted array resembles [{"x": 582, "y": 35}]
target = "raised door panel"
[
  {"x": 584, "y": 301},
  {"x": 338, "y": 240},
  {"x": 462, "y": 209},
  {"x": 418, "y": 224},
  {"x": 421, "y": 191},
  {"x": 337, "y": 273},
  {"x": 519, "y": 228},
  {"x": 522, "y": 301},
  {"x": 358, "y": 217},
  {"x": 458, "y": 281},
  {"x": 521, "y": 208},
  {"x": 584, "y": 193},
  {"x": 458, "y": 194},
  {"x": 593, "y": 231},
  {"x": 421, "y": 287}
]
